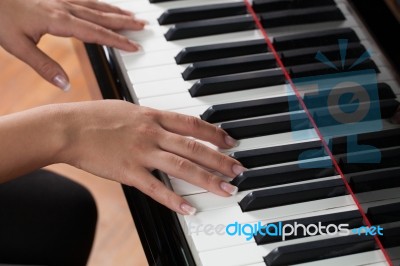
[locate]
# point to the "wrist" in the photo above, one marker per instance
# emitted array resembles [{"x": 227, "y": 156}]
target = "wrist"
[{"x": 67, "y": 125}]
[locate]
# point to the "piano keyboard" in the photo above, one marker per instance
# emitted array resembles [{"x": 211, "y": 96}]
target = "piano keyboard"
[{"x": 208, "y": 59}]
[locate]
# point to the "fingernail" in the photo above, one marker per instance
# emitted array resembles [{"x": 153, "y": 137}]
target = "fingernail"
[
  {"x": 229, "y": 188},
  {"x": 231, "y": 141},
  {"x": 189, "y": 210},
  {"x": 61, "y": 82},
  {"x": 143, "y": 22},
  {"x": 238, "y": 169}
]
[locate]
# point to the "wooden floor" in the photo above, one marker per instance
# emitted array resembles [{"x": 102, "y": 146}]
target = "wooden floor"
[{"x": 116, "y": 241}]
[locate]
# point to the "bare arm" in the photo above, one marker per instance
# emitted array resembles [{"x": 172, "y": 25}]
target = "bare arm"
[{"x": 118, "y": 141}]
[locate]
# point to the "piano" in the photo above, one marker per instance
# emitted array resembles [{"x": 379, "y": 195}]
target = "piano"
[{"x": 211, "y": 59}]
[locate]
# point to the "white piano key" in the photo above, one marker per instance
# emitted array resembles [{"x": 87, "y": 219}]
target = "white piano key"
[
  {"x": 151, "y": 74},
  {"x": 157, "y": 43},
  {"x": 209, "y": 201},
  {"x": 219, "y": 216},
  {"x": 184, "y": 100},
  {"x": 182, "y": 188},
  {"x": 149, "y": 93},
  {"x": 142, "y": 59}
]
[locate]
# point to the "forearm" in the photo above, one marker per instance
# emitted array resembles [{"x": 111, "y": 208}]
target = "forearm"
[{"x": 30, "y": 140}]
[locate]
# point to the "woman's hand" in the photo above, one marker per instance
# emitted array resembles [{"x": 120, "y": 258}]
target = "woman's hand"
[
  {"x": 123, "y": 142},
  {"x": 24, "y": 22}
]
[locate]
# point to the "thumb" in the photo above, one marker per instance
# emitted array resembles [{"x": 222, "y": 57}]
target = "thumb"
[{"x": 46, "y": 67}]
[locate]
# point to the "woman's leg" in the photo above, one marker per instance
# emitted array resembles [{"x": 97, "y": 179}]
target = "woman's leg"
[{"x": 46, "y": 219}]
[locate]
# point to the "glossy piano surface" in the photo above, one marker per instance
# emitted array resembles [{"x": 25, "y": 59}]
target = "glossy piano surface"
[{"x": 130, "y": 77}]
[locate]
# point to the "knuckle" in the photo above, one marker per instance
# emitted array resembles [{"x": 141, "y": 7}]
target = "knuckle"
[
  {"x": 193, "y": 122},
  {"x": 181, "y": 164},
  {"x": 153, "y": 188},
  {"x": 61, "y": 15},
  {"x": 170, "y": 198},
  {"x": 45, "y": 68},
  {"x": 149, "y": 131},
  {"x": 211, "y": 179},
  {"x": 222, "y": 160},
  {"x": 150, "y": 113},
  {"x": 219, "y": 132},
  {"x": 193, "y": 146}
]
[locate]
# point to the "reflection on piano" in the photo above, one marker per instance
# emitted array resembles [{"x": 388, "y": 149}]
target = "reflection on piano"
[{"x": 208, "y": 59}]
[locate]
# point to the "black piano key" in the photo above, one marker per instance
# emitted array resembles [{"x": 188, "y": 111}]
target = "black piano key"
[
  {"x": 317, "y": 69},
  {"x": 270, "y": 77},
  {"x": 391, "y": 235},
  {"x": 236, "y": 82},
  {"x": 294, "y": 41},
  {"x": 228, "y": 66},
  {"x": 246, "y": 22},
  {"x": 287, "y": 122},
  {"x": 301, "y": 16},
  {"x": 374, "y": 179},
  {"x": 319, "y": 38},
  {"x": 209, "y": 27},
  {"x": 268, "y": 198},
  {"x": 384, "y": 214},
  {"x": 352, "y": 218},
  {"x": 278, "y": 175},
  {"x": 266, "y": 126},
  {"x": 275, "y": 5},
  {"x": 238, "y": 110},
  {"x": 388, "y": 107},
  {"x": 307, "y": 55},
  {"x": 291, "y": 152},
  {"x": 259, "y": 107},
  {"x": 319, "y": 250},
  {"x": 389, "y": 158},
  {"x": 277, "y": 154},
  {"x": 254, "y": 62},
  {"x": 202, "y": 12},
  {"x": 216, "y": 51},
  {"x": 391, "y": 137}
]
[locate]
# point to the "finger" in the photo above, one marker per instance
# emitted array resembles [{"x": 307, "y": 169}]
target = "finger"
[
  {"x": 184, "y": 169},
  {"x": 109, "y": 20},
  {"x": 46, "y": 67},
  {"x": 154, "y": 188},
  {"x": 92, "y": 33},
  {"x": 101, "y": 6},
  {"x": 195, "y": 127},
  {"x": 201, "y": 154}
]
